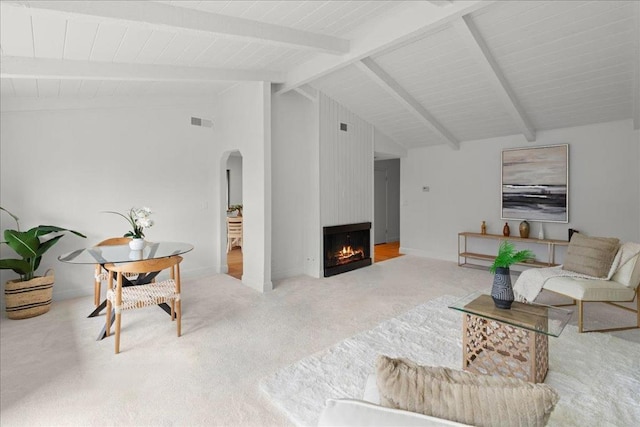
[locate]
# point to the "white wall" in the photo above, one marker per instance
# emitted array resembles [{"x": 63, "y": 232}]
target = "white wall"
[
  {"x": 386, "y": 147},
  {"x": 243, "y": 123},
  {"x": 66, "y": 167},
  {"x": 321, "y": 176},
  {"x": 346, "y": 166},
  {"x": 604, "y": 193},
  {"x": 295, "y": 178}
]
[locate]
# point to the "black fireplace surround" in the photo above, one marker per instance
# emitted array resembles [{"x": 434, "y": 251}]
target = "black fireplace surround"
[{"x": 346, "y": 247}]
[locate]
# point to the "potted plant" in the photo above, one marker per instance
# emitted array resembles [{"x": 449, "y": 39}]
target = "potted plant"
[
  {"x": 502, "y": 291},
  {"x": 139, "y": 219},
  {"x": 234, "y": 208},
  {"x": 29, "y": 295}
]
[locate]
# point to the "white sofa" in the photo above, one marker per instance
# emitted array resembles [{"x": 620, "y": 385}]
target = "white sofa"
[{"x": 367, "y": 412}]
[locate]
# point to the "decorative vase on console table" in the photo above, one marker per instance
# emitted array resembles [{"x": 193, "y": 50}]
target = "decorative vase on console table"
[
  {"x": 502, "y": 291},
  {"x": 506, "y": 231},
  {"x": 524, "y": 229}
]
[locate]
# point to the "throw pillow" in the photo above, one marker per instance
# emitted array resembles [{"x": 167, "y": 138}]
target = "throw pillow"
[
  {"x": 592, "y": 256},
  {"x": 464, "y": 397}
]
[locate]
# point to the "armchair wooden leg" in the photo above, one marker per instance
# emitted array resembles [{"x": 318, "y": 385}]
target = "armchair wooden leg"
[
  {"x": 580, "y": 314},
  {"x": 638, "y": 308}
]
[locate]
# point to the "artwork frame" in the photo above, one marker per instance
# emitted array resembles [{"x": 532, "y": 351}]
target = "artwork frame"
[{"x": 535, "y": 183}]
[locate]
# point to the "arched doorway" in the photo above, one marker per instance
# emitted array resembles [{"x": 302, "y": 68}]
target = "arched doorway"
[{"x": 232, "y": 208}]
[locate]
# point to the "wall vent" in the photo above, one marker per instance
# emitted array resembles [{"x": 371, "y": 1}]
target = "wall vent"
[
  {"x": 343, "y": 127},
  {"x": 197, "y": 121}
]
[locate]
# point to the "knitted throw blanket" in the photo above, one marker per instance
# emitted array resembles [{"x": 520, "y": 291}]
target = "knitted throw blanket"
[{"x": 530, "y": 282}]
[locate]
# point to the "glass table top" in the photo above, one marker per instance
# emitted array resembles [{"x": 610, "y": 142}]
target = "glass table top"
[
  {"x": 544, "y": 319},
  {"x": 122, "y": 253}
]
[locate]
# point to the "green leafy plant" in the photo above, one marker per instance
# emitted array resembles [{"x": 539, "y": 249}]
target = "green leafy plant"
[
  {"x": 30, "y": 246},
  {"x": 507, "y": 256}
]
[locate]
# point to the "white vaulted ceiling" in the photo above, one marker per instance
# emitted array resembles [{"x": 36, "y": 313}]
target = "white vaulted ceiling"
[{"x": 422, "y": 72}]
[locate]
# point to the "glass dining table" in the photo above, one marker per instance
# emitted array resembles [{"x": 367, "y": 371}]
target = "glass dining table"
[{"x": 120, "y": 254}]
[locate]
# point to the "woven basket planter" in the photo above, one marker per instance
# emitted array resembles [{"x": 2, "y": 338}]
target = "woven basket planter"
[{"x": 28, "y": 299}]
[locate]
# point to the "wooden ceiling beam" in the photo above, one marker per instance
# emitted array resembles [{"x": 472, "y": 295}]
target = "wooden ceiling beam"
[
  {"x": 392, "y": 87},
  {"x": 40, "y": 68},
  {"x": 180, "y": 19},
  {"x": 478, "y": 48}
]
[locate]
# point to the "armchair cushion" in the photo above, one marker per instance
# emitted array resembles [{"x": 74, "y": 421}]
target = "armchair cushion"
[{"x": 592, "y": 256}]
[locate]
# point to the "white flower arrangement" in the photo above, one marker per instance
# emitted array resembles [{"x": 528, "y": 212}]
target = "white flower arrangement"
[{"x": 139, "y": 220}]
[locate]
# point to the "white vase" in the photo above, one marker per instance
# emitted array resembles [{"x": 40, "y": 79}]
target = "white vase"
[
  {"x": 541, "y": 233},
  {"x": 136, "y": 244}
]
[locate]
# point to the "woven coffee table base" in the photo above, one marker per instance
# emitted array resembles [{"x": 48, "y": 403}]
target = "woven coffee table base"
[{"x": 495, "y": 348}]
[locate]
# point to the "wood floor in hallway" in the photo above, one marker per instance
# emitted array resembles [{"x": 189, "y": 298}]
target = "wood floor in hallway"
[
  {"x": 381, "y": 252},
  {"x": 385, "y": 251}
]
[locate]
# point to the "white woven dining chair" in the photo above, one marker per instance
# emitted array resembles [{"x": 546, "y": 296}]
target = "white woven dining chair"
[{"x": 121, "y": 297}]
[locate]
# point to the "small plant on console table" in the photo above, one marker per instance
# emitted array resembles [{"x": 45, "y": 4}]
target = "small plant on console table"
[
  {"x": 30, "y": 295},
  {"x": 502, "y": 291}
]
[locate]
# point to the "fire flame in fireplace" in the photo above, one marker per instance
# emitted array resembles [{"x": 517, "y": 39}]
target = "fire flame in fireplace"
[{"x": 347, "y": 254}]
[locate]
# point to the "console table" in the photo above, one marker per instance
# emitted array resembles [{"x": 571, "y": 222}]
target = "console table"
[
  {"x": 512, "y": 343},
  {"x": 464, "y": 255}
]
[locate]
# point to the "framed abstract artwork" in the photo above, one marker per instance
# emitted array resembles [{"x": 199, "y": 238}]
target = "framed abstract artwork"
[{"x": 535, "y": 183}]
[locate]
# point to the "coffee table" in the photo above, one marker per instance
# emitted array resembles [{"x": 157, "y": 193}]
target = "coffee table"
[{"x": 512, "y": 343}]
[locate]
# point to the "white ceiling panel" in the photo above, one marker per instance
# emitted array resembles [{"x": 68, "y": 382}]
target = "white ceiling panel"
[
  {"x": 80, "y": 39},
  {"x": 566, "y": 57},
  {"x": 195, "y": 50},
  {"x": 108, "y": 39},
  {"x": 444, "y": 79},
  {"x": 133, "y": 42},
  {"x": 89, "y": 88},
  {"x": 48, "y": 88},
  {"x": 155, "y": 46},
  {"x": 69, "y": 88},
  {"x": 480, "y": 70},
  {"x": 27, "y": 88},
  {"x": 16, "y": 35},
  {"x": 6, "y": 88},
  {"x": 107, "y": 88},
  {"x": 349, "y": 86},
  {"x": 49, "y": 34},
  {"x": 175, "y": 48}
]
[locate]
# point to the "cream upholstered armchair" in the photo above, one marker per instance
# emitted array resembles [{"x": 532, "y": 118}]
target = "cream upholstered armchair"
[{"x": 622, "y": 286}]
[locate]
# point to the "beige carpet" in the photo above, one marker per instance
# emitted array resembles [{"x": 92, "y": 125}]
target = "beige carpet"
[{"x": 53, "y": 372}]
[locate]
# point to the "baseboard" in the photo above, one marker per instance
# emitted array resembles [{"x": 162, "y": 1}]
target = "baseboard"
[
  {"x": 426, "y": 254},
  {"x": 286, "y": 273}
]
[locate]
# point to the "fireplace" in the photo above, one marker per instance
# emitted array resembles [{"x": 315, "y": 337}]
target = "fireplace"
[{"x": 346, "y": 247}]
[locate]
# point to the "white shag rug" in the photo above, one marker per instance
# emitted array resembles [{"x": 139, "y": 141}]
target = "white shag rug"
[{"x": 596, "y": 375}]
